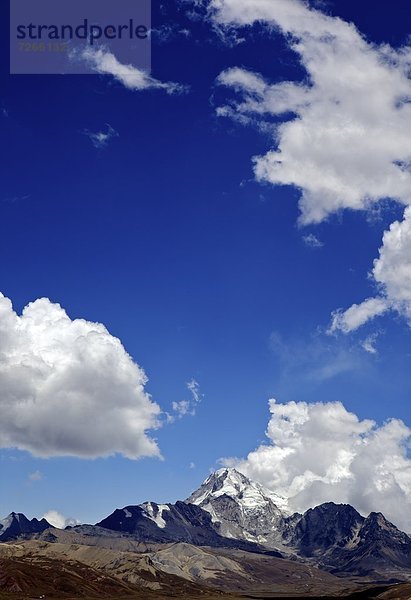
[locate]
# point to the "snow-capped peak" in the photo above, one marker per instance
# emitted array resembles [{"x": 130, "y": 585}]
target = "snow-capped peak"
[
  {"x": 6, "y": 522},
  {"x": 10, "y": 520},
  {"x": 16, "y": 524},
  {"x": 241, "y": 508},
  {"x": 232, "y": 483}
]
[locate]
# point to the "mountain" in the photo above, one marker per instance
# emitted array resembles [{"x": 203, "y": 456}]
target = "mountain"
[
  {"x": 323, "y": 528},
  {"x": 241, "y": 508},
  {"x": 336, "y": 537},
  {"x": 229, "y": 512},
  {"x": 343, "y": 541},
  {"x": 17, "y": 524},
  {"x": 163, "y": 523}
]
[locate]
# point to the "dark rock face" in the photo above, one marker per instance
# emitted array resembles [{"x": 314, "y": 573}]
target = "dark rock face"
[
  {"x": 179, "y": 522},
  {"x": 343, "y": 541},
  {"x": 379, "y": 546},
  {"x": 163, "y": 523},
  {"x": 16, "y": 525},
  {"x": 325, "y": 526}
]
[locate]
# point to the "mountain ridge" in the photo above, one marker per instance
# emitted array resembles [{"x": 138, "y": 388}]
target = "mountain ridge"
[
  {"x": 17, "y": 524},
  {"x": 230, "y": 511}
]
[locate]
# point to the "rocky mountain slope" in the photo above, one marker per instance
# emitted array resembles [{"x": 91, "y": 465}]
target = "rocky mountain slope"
[
  {"x": 163, "y": 523},
  {"x": 230, "y": 513},
  {"x": 336, "y": 537},
  {"x": 242, "y": 509},
  {"x": 343, "y": 541},
  {"x": 179, "y": 522},
  {"x": 16, "y": 525}
]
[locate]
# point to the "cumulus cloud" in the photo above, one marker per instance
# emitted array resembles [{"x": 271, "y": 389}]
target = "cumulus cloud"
[
  {"x": 322, "y": 452},
  {"x": 392, "y": 270},
  {"x": 58, "y": 520},
  {"x": 100, "y": 139},
  {"x": 104, "y": 62},
  {"x": 69, "y": 388},
  {"x": 342, "y": 137},
  {"x": 346, "y": 144},
  {"x": 391, "y": 273}
]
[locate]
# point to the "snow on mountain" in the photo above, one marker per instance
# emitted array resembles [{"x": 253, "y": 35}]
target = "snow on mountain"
[
  {"x": 6, "y": 523},
  {"x": 165, "y": 523},
  {"x": 241, "y": 508},
  {"x": 155, "y": 512},
  {"x": 17, "y": 524},
  {"x": 236, "y": 485},
  {"x": 336, "y": 536}
]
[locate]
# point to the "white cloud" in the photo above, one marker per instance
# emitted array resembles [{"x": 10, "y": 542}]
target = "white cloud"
[
  {"x": 369, "y": 344},
  {"x": 185, "y": 408},
  {"x": 391, "y": 273},
  {"x": 105, "y": 63},
  {"x": 357, "y": 315},
  {"x": 169, "y": 32},
  {"x": 69, "y": 388},
  {"x": 347, "y": 143},
  {"x": 321, "y": 452},
  {"x": 194, "y": 387},
  {"x": 100, "y": 139},
  {"x": 56, "y": 519},
  {"x": 344, "y": 140},
  {"x": 392, "y": 270},
  {"x": 36, "y": 476},
  {"x": 312, "y": 241}
]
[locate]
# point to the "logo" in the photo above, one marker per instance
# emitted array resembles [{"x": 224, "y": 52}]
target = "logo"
[{"x": 59, "y": 36}]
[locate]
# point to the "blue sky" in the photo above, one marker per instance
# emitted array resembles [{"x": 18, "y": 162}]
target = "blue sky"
[{"x": 165, "y": 236}]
